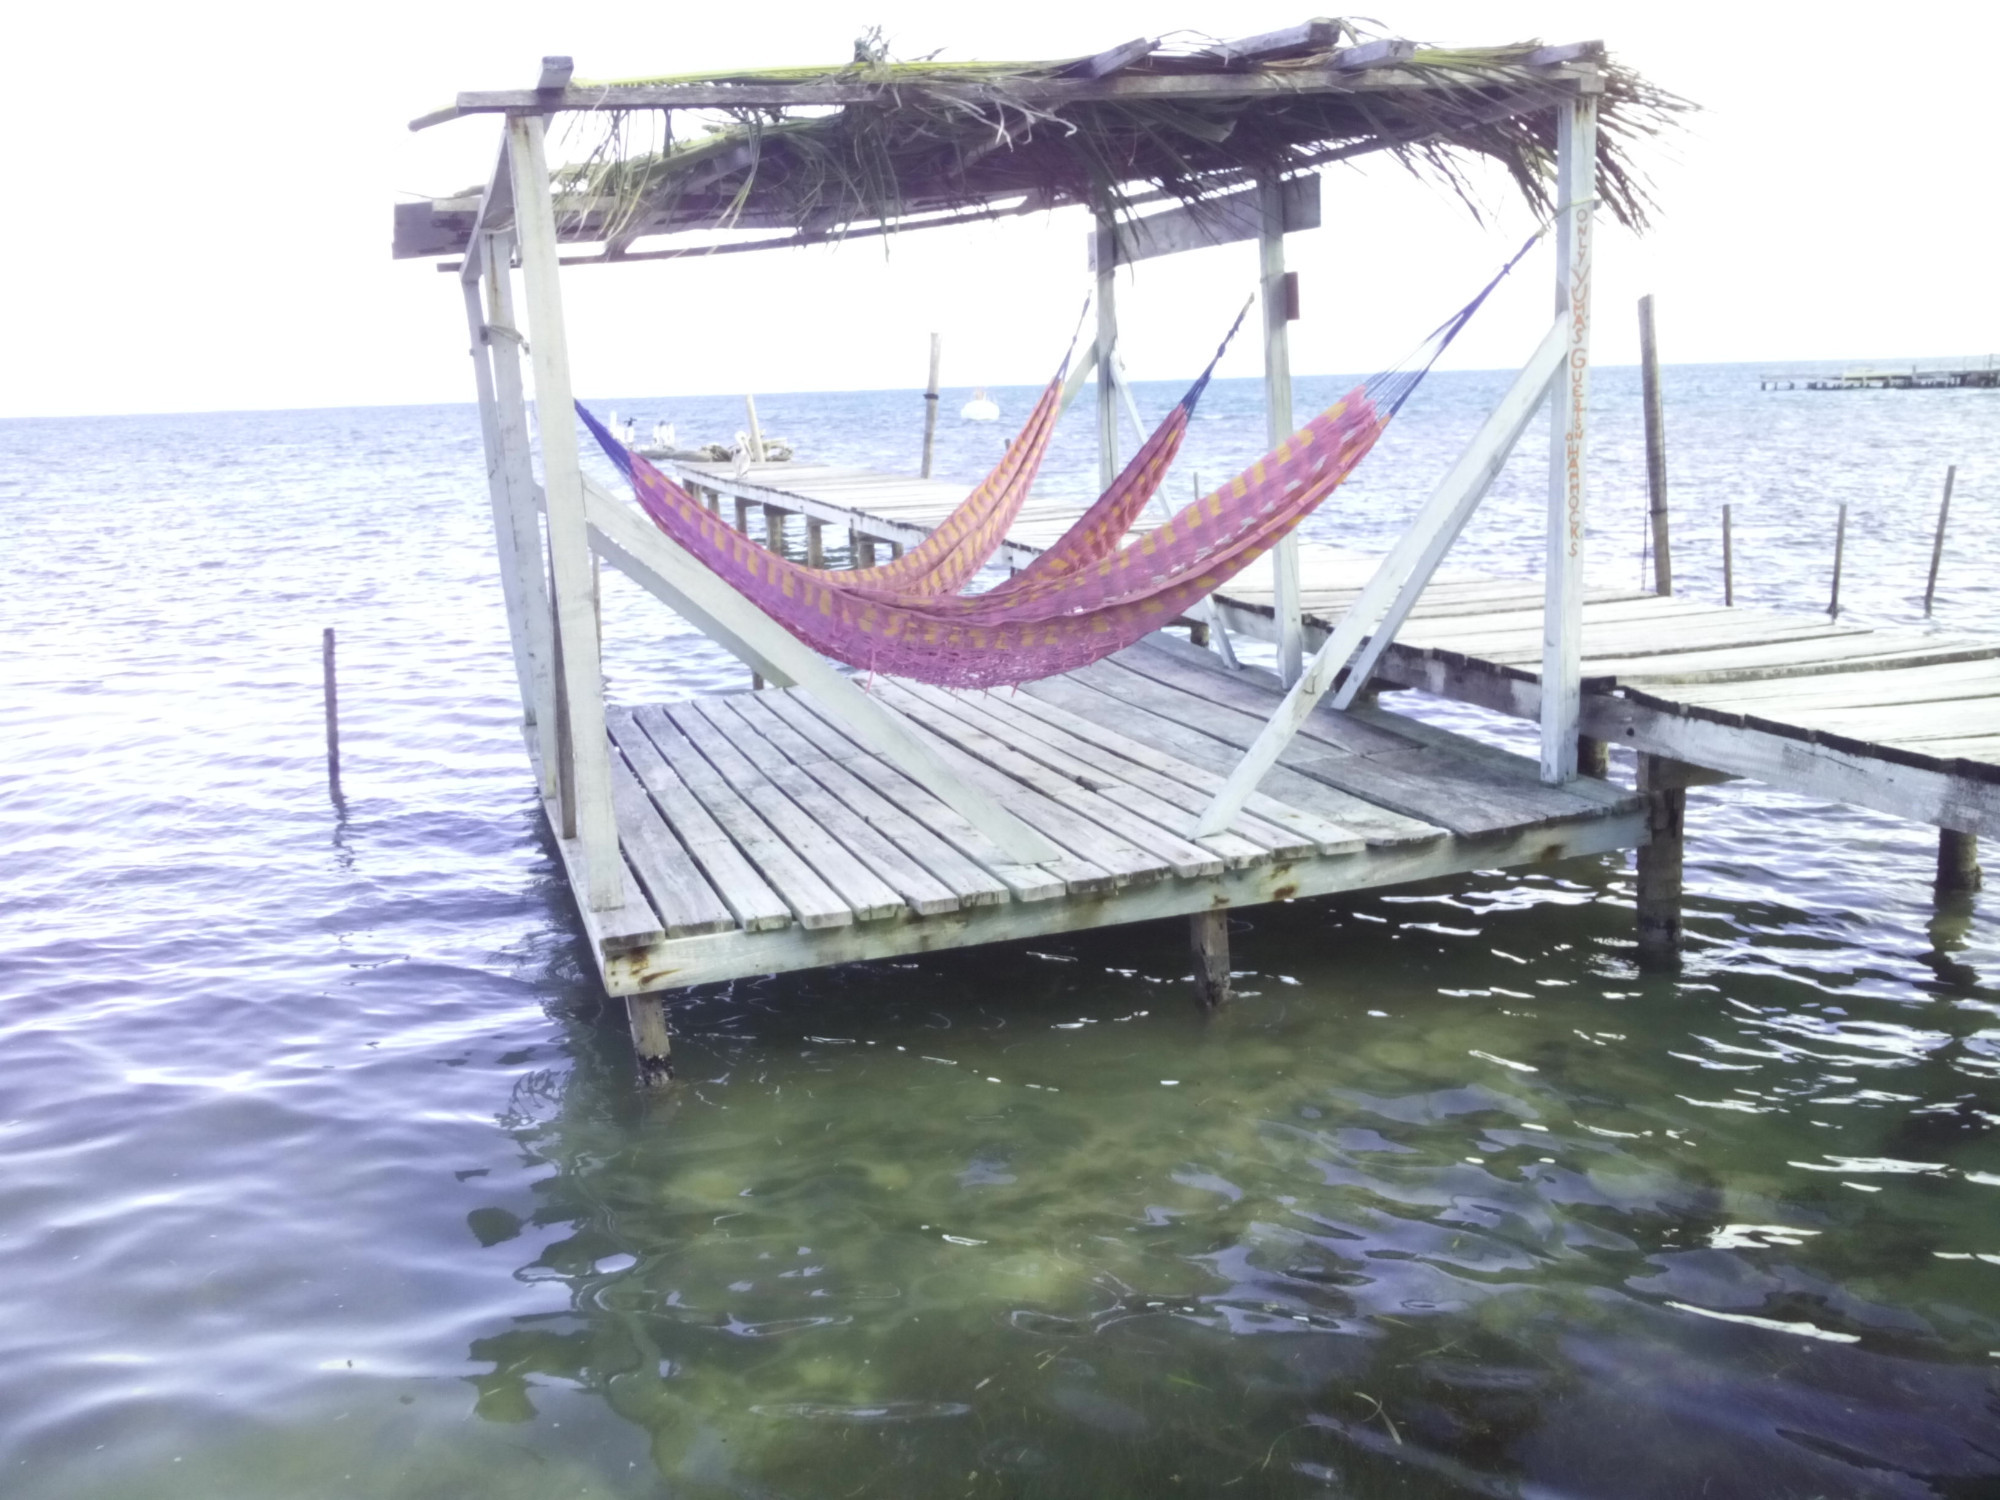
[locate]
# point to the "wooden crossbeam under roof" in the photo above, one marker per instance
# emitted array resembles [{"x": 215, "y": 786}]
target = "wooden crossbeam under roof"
[{"x": 875, "y": 146}]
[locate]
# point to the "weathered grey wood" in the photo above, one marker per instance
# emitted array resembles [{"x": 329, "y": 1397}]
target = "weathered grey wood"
[
  {"x": 1037, "y": 882},
  {"x": 815, "y": 542},
  {"x": 1658, "y": 887},
  {"x": 687, "y": 904},
  {"x": 1154, "y": 817},
  {"x": 922, "y": 892},
  {"x": 1728, "y": 560},
  {"x": 812, "y": 901},
  {"x": 1562, "y": 643},
  {"x": 746, "y": 894},
  {"x": 969, "y": 884},
  {"x": 1656, "y": 449},
  {"x": 1303, "y": 831},
  {"x": 1113, "y": 697},
  {"x": 1277, "y": 427},
  {"x": 1838, "y": 773},
  {"x": 652, "y": 1042},
  {"x": 864, "y": 550},
  {"x": 1958, "y": 862},
  {"x": 629, "y": 925},
  {"x": 1166, "y": 795},
  {"x": 931, "y": 405},
  {"x": 1208, "y": 942},
  {"x": 705, "y": 597},
  {"x": 1104, "y": 263},
  {"x": 1222, "y": 220},
  {"x": 1839, "y": 554},
  {"x": 330, "y": 691},
  {"x": 1374, "y": 71},
  {"x": 1317, "y": 35},
  {"x": 774, "y": 529},
  {"x": 1100, "y": 831},
  {"x": 730, "y": 955},
  {"x": 581, "y": 684},
  {"x": 523, "y": 498},
  {"x": 1385, "y": 758},
  {"x": 1937, "y": 543},
  {"x": 1770, "y": 697},
  {"x": 865, "y": 893}
]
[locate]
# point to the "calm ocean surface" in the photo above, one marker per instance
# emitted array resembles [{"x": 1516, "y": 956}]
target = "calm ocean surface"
[{"x": 325, "y": 1175}]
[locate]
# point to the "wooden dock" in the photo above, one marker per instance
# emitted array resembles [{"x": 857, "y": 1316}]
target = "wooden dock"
[
  {"x": 764, "y": 839},
  {"x": 1969, "y": 375},
  {"x": 1902, "y": 720}
]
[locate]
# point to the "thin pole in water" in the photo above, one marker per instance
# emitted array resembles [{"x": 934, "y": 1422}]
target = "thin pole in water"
[
  {"x": 332, "y": 716},
  {"x": 931, "y": 403},
  {"x": 1937, "y": 545},
  {"x": 1656, "y": 449},
  {"x": 1728, "y": 560},
  {"x": 1839, "y": 550}
]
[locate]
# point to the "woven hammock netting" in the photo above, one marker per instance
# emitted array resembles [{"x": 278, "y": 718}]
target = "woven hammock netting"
[{"x": 1092, "y": 593}]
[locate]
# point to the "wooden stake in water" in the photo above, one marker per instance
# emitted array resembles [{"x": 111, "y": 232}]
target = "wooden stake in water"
[
  {"x": 1728, "y": 560},
  {"x": 332, "y": 715},
  {"x": 931, "y": 403},
  {"x": 1937, "y": 544},
  {"x": 1839, "y": 549},
  {"x": 1656, "y": 449}
]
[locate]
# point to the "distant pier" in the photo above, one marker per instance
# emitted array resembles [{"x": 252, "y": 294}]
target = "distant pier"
[{"x": 1964, "y": 376}]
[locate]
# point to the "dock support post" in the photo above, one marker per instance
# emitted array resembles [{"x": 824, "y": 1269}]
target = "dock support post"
[
  {"x": 743, "y": 515},
  {"x": 652, "y": 1043},
  {"x": 1562, "y": 617},
  {"x": 1208, "y": 940},
  {"x": 864, "y": 551},
  {"x": 1937, "y": 542},
  {"x": 1656, "y": 448},
  {"x": 930, "y": 405},
  {"x": 1107, "y": 341},
  {"x": 1958, "y": 869},
  {"x": 517, "y": 525},
  {"x": 774, "y": 529},
  {"x": 580, "y": 683},
  {"x": 1277, "y": 302},
  {"x": 815, "y": 542},
  {"x": 1728, "y": 561},
  {"x": 1660, "y": 859},
  {"x": 1593, "y": 757}
]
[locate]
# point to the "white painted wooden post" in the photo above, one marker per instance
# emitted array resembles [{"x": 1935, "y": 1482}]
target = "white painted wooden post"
[
  {"x": 1107, "y": 341},
  {"x": 516, "y": 471},
  {"x": 1562, "y": 616},
  {"x": 1278, "y": 417},
  {"x": 496, "y": 476},
  {"x": 1398, "y": 579},
  {"x": 581, "y": 685}
]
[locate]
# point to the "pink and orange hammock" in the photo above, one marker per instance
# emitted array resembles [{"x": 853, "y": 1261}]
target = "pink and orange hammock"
[{"x": 1084, "y": 598}]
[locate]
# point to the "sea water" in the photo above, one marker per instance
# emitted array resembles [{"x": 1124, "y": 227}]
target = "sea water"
[{"x": 326, "y": 1174}]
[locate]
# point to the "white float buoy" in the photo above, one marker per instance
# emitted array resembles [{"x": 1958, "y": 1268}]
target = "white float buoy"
[{"x": 979, "y": 408}]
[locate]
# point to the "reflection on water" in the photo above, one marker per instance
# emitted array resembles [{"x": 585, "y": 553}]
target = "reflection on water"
[{"x": 326, "y": 1175}]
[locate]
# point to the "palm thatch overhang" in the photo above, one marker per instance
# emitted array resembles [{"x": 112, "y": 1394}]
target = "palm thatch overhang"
[{"x": 817, "y": 154}]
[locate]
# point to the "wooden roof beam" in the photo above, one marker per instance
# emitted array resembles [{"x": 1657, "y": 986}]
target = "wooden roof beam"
[{"x": 1371, "y": 67}]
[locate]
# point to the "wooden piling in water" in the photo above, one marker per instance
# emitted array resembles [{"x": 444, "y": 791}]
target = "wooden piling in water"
[
  {"x": 652, "y": 1043},
  {"x": 1937, "y": 542},
  {"x": 931, "y": 403},
  {"x": 1208, "y": 941},
  {"x": 332, "y": 715},
  {"x": 774, "y": 529},
  {"x": 1728, "y": 561},
  {"x": 815, "y": 542},
  {"x": 1593, "y": 757},
  {"x": 1839, "y": 553},
  {"x": 1656, "y": 449},
  {"x": 1958, "y": 862},
  {"x": 1659, "y": 885},
  {"x": 864, "y": 551}
]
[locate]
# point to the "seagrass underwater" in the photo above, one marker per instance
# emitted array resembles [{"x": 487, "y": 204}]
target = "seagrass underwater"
[{"x": 328, "y": 1176}]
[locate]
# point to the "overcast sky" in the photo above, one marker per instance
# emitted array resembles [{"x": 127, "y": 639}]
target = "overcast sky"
[{"x": 203, "y": 193}]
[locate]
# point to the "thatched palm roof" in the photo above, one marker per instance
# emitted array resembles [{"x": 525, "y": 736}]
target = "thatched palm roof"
[{"x": 874, "y": 145}]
